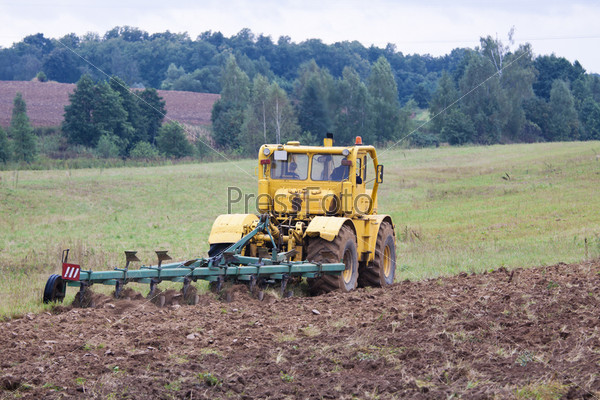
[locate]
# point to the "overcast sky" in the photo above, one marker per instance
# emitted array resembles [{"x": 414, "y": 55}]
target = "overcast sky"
[{"x": 569, "y": 29}]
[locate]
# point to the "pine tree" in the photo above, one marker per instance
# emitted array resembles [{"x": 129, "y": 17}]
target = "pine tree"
[
  {"x": 384, "y": 91},
  {"x": 78, "y": 124},
  {"x": 131, "y": 105},
  {"x": 110, "y": 117},
  {"x": 24, "y": 140}
]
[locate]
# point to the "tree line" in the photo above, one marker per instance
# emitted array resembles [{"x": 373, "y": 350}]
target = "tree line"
[
  {"x": 502, "y": 96},
  {"x": 274, "y": 92},
  {"x": 175, "y": 61},
  {"x": 493, "y": 95}
]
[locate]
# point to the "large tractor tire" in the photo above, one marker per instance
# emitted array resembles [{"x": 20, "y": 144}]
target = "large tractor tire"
[
  {"x": 381, "y": 271},
  {"x": 342, "y": 248}
]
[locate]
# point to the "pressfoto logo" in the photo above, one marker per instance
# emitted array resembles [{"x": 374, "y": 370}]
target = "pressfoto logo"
[{"x": 310, "y": 198}]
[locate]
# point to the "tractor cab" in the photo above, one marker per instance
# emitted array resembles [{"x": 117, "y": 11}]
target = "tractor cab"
[{"x": 318, "y": 180}]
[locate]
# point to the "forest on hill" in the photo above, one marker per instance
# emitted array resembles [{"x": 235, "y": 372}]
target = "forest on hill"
[{"x": 279, "y": 90}]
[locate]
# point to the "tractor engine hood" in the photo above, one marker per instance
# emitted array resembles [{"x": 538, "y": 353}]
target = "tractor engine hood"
[{"x": 312, "y": 201}]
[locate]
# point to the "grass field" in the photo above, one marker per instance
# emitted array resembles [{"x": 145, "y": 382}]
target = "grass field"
[{"x": 456, "y": 209}]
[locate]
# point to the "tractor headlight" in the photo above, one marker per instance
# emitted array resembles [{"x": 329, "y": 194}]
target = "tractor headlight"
[
  {"x": 345, "y": 152},
  {"x": 266, "y": 151}
]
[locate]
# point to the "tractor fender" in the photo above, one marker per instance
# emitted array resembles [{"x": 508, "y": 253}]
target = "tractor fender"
[
  {"x": 368, "y": 230},
  {"x": 378, "y": 219},
  {"x": 327, "y": 227},
  {"x": 375, "y": 222},
  {"x": 229, "y": 228}
]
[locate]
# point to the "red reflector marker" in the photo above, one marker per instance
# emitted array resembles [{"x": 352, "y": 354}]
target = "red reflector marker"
[
  {"x": 71, "y": 272},
  {"x": 266, "y": 161}
]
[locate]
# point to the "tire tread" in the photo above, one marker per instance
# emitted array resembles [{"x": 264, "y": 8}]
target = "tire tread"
[
  {"x": 323, "y": 251},
  {"x": 371, "y": 274}
]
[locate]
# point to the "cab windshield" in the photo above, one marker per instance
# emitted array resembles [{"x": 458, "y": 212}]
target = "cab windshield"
[
  {"x": 295, "y": 166},
  {"x": 328, "y": 167}
]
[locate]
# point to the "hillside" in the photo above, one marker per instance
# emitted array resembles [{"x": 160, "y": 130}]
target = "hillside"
[{"x": 46, "y": 102}]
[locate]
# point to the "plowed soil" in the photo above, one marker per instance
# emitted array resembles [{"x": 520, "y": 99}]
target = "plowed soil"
[
  {"x": 527, "y": 333},
  {"x": 46, "y": 103}
]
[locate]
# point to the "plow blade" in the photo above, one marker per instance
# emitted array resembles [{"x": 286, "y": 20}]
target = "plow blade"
[{"x": 178, "y": 273}]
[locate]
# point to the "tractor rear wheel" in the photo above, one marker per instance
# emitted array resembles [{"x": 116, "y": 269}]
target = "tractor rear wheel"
[
  {"x": 381, "y": 271},
  {"x": 342, "y": 248}
]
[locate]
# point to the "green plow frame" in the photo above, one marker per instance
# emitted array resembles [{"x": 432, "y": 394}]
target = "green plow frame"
[{"x": 230, "y": 265}]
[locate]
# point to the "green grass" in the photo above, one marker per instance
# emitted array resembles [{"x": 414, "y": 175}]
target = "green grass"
[
  {"x": 551, "y": 390},
  {"x": 452, "y": 209},
  {"x": 476, "y": 208}
]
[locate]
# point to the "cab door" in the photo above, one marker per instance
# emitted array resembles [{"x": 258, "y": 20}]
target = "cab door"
[{"x": 361, "y": 197}]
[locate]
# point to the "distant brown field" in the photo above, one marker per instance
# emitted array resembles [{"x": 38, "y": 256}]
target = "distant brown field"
[{"x": 46, "y": 103}]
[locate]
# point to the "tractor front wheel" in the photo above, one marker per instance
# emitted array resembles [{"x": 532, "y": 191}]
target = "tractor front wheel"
[{"x": 342, "y": 248}]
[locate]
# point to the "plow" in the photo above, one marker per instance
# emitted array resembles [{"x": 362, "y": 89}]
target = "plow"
[
  {"x": 317, "y": 221},
  {"x": 230, "y": 265}
]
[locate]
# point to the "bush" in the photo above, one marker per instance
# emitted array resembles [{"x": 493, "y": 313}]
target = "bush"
[
  {"x": 459, "y": 128},
  {"x": 41, "y": 77},
  {"x": 51, "y": 144},
  {"x": 108, "y": 146},
  {"x": 421, "y": 139},
  {"x": 144, "y": 151},
  {"x": 172, "y": 142},
  {"x": 202, "y": 148}
]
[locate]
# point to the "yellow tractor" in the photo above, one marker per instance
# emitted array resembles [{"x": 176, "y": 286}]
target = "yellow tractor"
[{"x": 322, "y": 207}]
